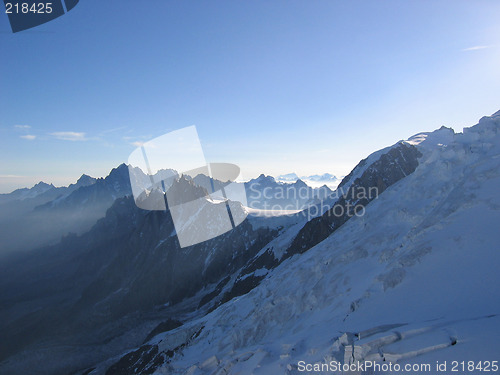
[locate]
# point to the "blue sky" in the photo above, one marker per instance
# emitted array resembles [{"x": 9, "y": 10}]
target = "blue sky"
[{"x": 273, "y": 86}]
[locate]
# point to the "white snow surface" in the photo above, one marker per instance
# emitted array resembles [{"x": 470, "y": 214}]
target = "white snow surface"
[{"x": 418, "y": 272}]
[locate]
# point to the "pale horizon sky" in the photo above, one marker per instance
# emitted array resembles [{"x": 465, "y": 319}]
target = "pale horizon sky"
[{"x": 272, "y": 86}]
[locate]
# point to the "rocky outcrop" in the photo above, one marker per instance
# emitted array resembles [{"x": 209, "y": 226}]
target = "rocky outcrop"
[{"x": 397, "y": 163}]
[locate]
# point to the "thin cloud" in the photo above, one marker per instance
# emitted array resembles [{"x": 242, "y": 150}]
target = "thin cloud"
[
  {"x": 475, "y": 48},
  {"x": 113, "y": 130},
  {"x": 22, "y": 126},
  {"x": 137, "y": 144},
  {"x": 29, "y": 137},
  {"x": 69, "y": 136}
]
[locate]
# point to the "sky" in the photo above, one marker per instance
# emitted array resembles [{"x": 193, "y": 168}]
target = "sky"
[{"x": 273, "y": 86}]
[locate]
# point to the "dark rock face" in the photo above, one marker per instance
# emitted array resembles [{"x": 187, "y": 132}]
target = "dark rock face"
[
  {"x": 165, "y": 326},
  {"x": 150, "y": 268},
  {"x": 144, "y": 360},
  {"x": 218, "y": 289},
  {"x": 184, "y": 191},
  {"x": 209, "y": 184},
  {"x": 265, "y": 260},
  {"x": 147, "y": 358},
  {"x": 244, "y": 281},
  {"x": 391, "y": 167},
  {"x": 242, "y": 286}
]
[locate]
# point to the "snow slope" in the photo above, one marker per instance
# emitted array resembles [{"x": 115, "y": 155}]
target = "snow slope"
[{"x": 415, "y": 280}]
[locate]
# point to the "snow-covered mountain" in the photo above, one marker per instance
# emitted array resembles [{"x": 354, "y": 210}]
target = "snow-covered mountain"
[
  {"x": 412, "y": 281},
  {"x": 289, "y": 177},
  {"x": 314, "y": 180},
  {"x": 265, "y": 192},
  {"x": 407, "y": 275}
]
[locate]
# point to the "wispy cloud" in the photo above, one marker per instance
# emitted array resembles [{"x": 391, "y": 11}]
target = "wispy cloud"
[
  {"x": 29, "y": 137},
  {"x": 475, "y": 48},
  {"x": 107, "y": 131},
  {"x": 22, "y": 126},
  {"x": 69, "y": 136},
  {"x": 137, "y": 143}
]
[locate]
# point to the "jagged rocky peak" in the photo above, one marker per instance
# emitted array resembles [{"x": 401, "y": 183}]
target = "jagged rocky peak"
[
  {"x": 300, "y": 183},
  {"x": 118, "y": 180},
  {"x": 119, "y": 172},
  {"x": 263, "y": 179},
  {"x": 184, "y": 190},
  {"x": 85, "y": 180},
  {"x": 42, "y": 186}
]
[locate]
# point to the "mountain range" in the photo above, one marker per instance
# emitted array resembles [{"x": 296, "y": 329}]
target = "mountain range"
[
  {"x": 315, "y": 180},
  {"x": 397, "y": 264}
]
